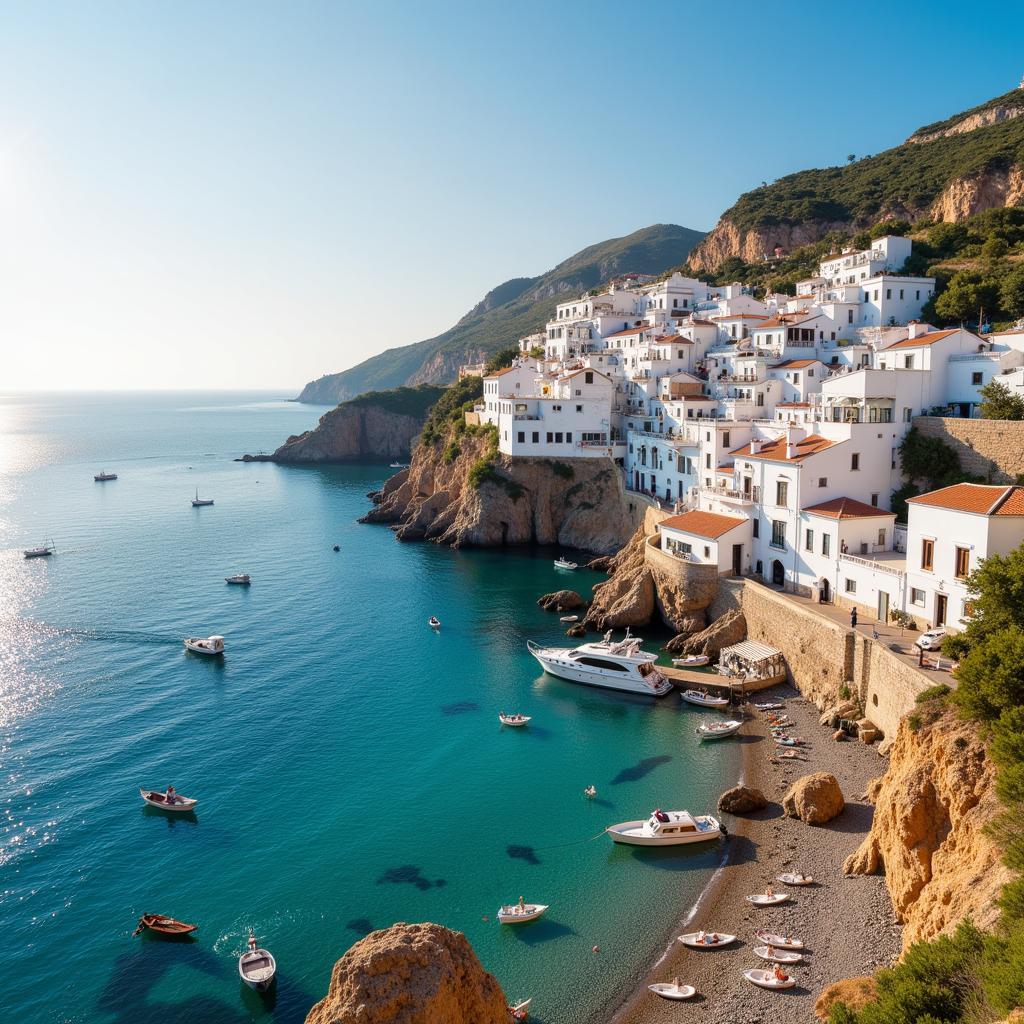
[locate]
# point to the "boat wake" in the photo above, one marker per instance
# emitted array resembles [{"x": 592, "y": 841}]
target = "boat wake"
[{"x": 114, "y": 636}]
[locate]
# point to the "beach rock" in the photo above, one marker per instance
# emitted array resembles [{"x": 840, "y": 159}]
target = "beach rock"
[
  {"x": 577, "y": 629},
  {"x": 873, "y": 790},
  {"x": 839, "y": 736},
  {"x": 411, "y": 974},
  {"x": 855, "y": 993},
  {"x": 726, "y": 630},
  {"x": 742, "y": 800},
  {"x": 868, "y": 736},
  {"x": 561, "y": 601},
  {"x": 603, "y": 563},
  {"x": 688, "y": 627},
  {"x": 814, "y": 799}
]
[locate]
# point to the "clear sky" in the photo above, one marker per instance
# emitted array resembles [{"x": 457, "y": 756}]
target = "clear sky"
[{"x": 247, "y": 194}]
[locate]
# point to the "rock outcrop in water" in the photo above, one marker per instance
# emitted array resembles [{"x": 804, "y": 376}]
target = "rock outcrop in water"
[{"x": 411, "y": 974}]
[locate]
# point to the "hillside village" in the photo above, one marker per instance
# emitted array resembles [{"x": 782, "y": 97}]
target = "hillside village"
[{"x": 771, "y": 427}]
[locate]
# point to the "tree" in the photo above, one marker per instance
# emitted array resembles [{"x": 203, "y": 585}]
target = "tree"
[
  {"x": 850, "y": 157},
  {"x": 996, "y": 590},
  {"x": 990, "y": 678},
  {"x": 1000, "y": 403},
  {"x": 502, "y": 358},
  {"x": 994, "y": 248},
  {"x": 966, "y": 294},
  {"x": 946, "y": 239},
  {"x": 929, "y": 459},
  {"x": 1011, "y": 292}
]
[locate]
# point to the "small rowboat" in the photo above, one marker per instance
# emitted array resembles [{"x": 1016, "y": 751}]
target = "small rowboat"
[
  {"x": 513, "y": 913},
  {"x": 795, "y": 878},
  {"x": 703, "y": 940},
  {"x": 777, "y": 956},
  {"x": 257, "y": 967},
  {"x": 569, "y": 618},
  {"x": 521, "y": 1011},
  {"x": 513, "y": 720},
  {"x": 769, "y": 706},
  {"x": 779, "y": 941},
  {"x": 790, "y": 741},
  {"x": 155, "y": 798},
  {"x": 717, "y": 730},
  {"x": 704, "y": 700},
  {"x": 691, "y": 661},
  {"x": 163, "y": 925},
  {"x": 564, "y": 563},
  {"x": 762, "y": 899},
  {"x": 434, "y": 622},
  {"x": 767, "y": 979},
  {"x": 667, "y": 991},
  {"x": 243, "y": 579}
]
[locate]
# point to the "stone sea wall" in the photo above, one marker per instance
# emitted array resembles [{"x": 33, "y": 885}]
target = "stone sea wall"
[{"x": 993, "y": 449}]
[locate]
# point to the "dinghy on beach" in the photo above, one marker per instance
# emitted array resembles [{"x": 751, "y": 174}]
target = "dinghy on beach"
[
  {"x": 768, "y": 979},
  {"x": 671, "y": 990},
  {"x": 768, "y": 899},
  {"x": 777, "y": 956},
  {"x": 778, "y": 941},
  {"x": 795, "y": 878},
  {"x": 706, "y": 940}
]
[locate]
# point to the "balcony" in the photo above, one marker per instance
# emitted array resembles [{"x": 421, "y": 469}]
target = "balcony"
[
  {"x": 751, "y": 497},
  {"x": 893, "y": 563}
]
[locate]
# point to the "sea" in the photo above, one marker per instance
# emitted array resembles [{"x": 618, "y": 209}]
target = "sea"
[{"x": 348, "y": 761}]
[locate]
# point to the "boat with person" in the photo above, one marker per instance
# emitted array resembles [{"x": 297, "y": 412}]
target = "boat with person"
[
  {"x": 769, "y": 979},
  {"x": 257, "y": 967},
  {"x": 777, "y": 956},
  {"x": 703, "y": 699},
  {"x": 209, "y": 645},
  {"x": 163, "y": 925},
  {"x": 666, "y": 828},
  {"x": 103, "y": 476},
  {"x": 613, "y": 665},
  {"x": 242, "y": 579},
  {"x": 434, "y": 622},
  {"x": 517, "y": 720},
  {"x": 778, "y": 941},
  {"x": 672, "y": 990},
  {"x": 691, "y": 661},
  {"x": 521, "y": 912},
  {"x": 718, "y": 730},
  {"x": 767, "y": 899},
  {"x": 43, "y": 551},
  {"x": 706, "y": 940},
  {"x": 167, "y": 801},
  {"x": 564, "y": 563},
  {"x": 521, "y": 1010},
  {"x": 198, "y": 502}
]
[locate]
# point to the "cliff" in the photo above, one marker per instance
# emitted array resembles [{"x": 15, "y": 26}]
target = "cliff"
[
  {"x": 460, "y": 491},
  {"x": 928, "y": 833},
  {"x": 411, "y": 974}
]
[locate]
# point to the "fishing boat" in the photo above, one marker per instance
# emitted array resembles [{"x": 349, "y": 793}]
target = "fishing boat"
[
  {"x": 767, "y": 899},
  {"x": 521, "y": 1010},
  {"x": 168, "y": 801},
  {"x": 103, "y": 476},
  {"x": 666, "y": 828},
  {"x": 717, "y": 730},
  {"x": 564, "y": 563},
  {"x": 768, "y": 979},
  {"x": 796, "y": 878},
  {"x": 569, "y": 618},
  {"x": 691, "y": 661},
  {"x": 48, "y": 548},
  {"x": 256, "y": 966},
  {"x": 520, "y": 913},
  {"x": 706, "y": 940},
  {"x": 163, "y": 925},
  {"x": 434, "y": 622},
  {"x": 242, "y": 579},
  {"x": 614, "y": 665},
  {"x": 198, "y": 502},
  {"x": 703, "y": 699},
  {"x": 513, "y": 720},
  {"x": 778, "y": 941},
  {"x": 777, "y": 956},
  {"x": 672, "y": 990},
  {"x": 209, "y": 645}
]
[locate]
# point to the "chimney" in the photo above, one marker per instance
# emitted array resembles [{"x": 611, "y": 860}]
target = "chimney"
[
  {"x": 915, "y": 329},
  {"x": 793, "y": 435}
]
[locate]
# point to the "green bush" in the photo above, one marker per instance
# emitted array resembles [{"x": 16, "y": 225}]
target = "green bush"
[
  {"x": 451, "y": 452},
  {"x": 562, "y": 469},
  {"x": 938, "y": 692}
]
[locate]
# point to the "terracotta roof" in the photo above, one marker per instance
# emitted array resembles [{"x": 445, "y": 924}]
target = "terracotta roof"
[
  {"x": 982, "y": 499},
  {"x": 703, "y": 524},
  {"x": 584, "y": 369},
  {"x": 794, "y": 364},
  {"x": 776, "y": 451},
  {"x": 631, "y": 330},
  {"x": 501, "y": 373},
  {"x": 847, "y": 508},
  {"x": 702, "y": 322},
  {"x": 923, "y": 339},
  {"x": 741, "y": 316},
  {"x": 792, "y": 405}
]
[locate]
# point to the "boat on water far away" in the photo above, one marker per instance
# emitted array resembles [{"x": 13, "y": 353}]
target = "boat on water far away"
[
  {"x": 513, "y": 720},
  {"x": 564, "y": 563},
  {"x": 614, "y": 665},
  {"x": 257, "y": 967},
  {"x": 167, "y": 802},
  {"x": 520, "y": 913},
  {"x": 42, "y": 551},
  {"x": 103, "y": 476},
  {"x": 243, "y": 579},
  {"x": 198, "y": 502},
  {"x": 666, "y": 828},
  {"x": 211, "y": 645},
  {"x": 163, "y": 925},
  {"x": 434, "y": 622}
]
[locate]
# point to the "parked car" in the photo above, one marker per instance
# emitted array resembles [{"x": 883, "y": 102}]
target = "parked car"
[{"x": 931, "y": 640}]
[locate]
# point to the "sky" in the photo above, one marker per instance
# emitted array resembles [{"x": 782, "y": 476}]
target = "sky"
[{"x": 252, "y": 194}]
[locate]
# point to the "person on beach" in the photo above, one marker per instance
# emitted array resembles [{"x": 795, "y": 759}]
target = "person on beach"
[
  {"x": 675, "y": 982},
  {"x": 780, "y": 974},
  {"x": 853, "y": 617},
  {"x": 770, "y": 893}
]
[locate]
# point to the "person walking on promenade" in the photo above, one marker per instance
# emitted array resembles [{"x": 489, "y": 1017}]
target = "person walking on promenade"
[{"x": 853, "y": 617}]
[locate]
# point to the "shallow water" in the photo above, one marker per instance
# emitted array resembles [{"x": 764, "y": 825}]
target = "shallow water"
[{"x": 348, "y": 760}]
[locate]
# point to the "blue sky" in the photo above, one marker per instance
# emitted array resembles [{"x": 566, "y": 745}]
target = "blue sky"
[{"x": 237, "y": 194}]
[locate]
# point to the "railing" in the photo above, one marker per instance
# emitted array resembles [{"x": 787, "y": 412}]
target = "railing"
[
  {"x": 870, "y": 564},
  {"x": 751, "y": 497},
  {"x": 967, "y": 357}
]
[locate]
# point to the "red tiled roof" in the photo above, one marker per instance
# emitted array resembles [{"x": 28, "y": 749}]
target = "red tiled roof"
[
  {"x": 776, "y": 451},
  {"x": 703, "y": 524},
  {"x": 501, "y": 373},
  {"x": 742, "y": 316},
  {"x": 847, "y": 508},
  {"x": 792, "y": 405},
  {"x": 982, "y": 499},
  {"x": 794, "y": 364},
  {"x": 631, "y": 330},
  {"x": 923, "y": 339}
]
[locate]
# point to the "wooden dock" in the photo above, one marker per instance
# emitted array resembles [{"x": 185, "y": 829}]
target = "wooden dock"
[{"x": 687, "y": 678}]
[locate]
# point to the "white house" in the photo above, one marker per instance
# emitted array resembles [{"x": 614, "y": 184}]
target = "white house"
[{"x": 708, "y": 538}]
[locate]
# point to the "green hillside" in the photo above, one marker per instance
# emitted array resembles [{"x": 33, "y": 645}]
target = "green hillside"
[{"x": 509, "y": 311}]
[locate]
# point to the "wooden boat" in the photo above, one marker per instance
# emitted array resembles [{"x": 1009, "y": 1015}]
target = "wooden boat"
[
  {"x": 704, "y": 700},
  {"x": 516, "y": 913},
  {"x": 691, "y": 661},
  {"x": 521, "y": 1011},
  {"x": 569, "y": 618},
  {"x": 103, "y": 476},
  {"x": 198, "y": 502},
  {"x": 514, "y": 720},
  {"x": 703, "y": 940},
  {"x": 718, "y": 730},
  {"x": 763, "y": 899},
  {"x": 564, "y": 563},
  {"x": 242, "y": 579},
  {"x": 796, "y": 878},
  {"x": 779, "y": 941},
  {"x": 163, "y": 925},
  {"x": 767, "y": 979},
  {"x": 672, "y": 991},
  {"x": 155, "y": 798},
  {"x": 257, "y": 967},
  {"x": 209, "y": 645},
  {"x": 777, "y": 956}
]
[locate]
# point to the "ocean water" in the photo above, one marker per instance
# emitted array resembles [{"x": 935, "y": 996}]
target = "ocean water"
[{"x": 348, "y": 761}]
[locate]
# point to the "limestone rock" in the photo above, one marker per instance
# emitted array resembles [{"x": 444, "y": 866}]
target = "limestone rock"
[
  {"x": 577, "y": 629},
  {"x": 411, "y": 974},
  {"x": 353, "y": 432},
  {"x": 839, "y": 736},
  {"x": 868, "y": 736},
  {"x": 814, "y": 799},
  {"x": 561, "y": 601},
  {"x": 856, "y": 993},
  {"x": 603, "y": 563},
  {"x": 626, "y": 598},
  {"x": 742, "y": 800},
  {"x": 726, "y": 630}
]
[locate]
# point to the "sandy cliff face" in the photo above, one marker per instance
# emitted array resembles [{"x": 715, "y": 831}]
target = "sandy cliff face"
[
  {"x": 577, "y": 503},
  {"x": 352, "y": 433},
  {"x": 985, "y": 191},
  {"x": 982, "y": 119},
  {"x": 411, "y": 974},
  {"x": 928, "y": 835},
  {"x": 726, "y": 240}
]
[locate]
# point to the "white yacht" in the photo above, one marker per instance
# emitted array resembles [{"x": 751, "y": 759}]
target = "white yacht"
[
  {"x": 198, "y": 502},
  {"x": 615, "y": 665},
  {"x": 666, "y": 828},
  {"x": 210, "y": 645}
]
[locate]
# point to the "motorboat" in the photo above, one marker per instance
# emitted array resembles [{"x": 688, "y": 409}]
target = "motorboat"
[
  {"x": 706, "y": 940},
  {"x": 666, "y": 828},
  {"x": 242, "y": 579},
  {"x": 796, "y": 878},
  {"x": 590, "y": 792},
  {"x": 169, "y": 801},
  {"x": 210, "y": 645},
  {"x": 103, "y": 476},
  {"x": 569, "y": 618},
  {"x": 691, "y": 661},
  {"x": 398, "y": 465},
  {"x": 672, "y": 990},
  {"x": 434, "y": 622},
  {"x": 520, "y": 913},
  {"x": 614, "y": 665},
  {"x": 564, "y": 563},
  {"x": 198, "y": 502},
  {"x": 769, "y": 706},
  {"x": 777, "y": 956},
  {"x": 337, "y": 547},
  {"x": 163, "y": 925},
  {"x": 521, "y": 1010},
  {"x": 256, "y": 966},
  {"x": 718, "y": 730},
  {"x": 703, "y": 699},
  {"x": 513, "y": 720},
  {"x": 768, "y": 979},
  {"x": 42, "y": 551},
  {"x": 778, "y": 941},
  {"x": 768, "y": 899}
]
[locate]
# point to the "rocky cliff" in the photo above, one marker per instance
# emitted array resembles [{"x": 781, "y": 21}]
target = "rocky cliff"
[
  {"x": 411, "y": 974},
  {"x": 928, "y": 833},
  {"x": 460, "y": 491}
]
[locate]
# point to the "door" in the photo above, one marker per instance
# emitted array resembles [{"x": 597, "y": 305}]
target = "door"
[
  {"x": 883, "y": 606},
  {"x": 940, "y": 609},
  {"x": 826, "y": 591},
  {"x": 737, "y": 559},
  {"x": 778, "y": 573}
]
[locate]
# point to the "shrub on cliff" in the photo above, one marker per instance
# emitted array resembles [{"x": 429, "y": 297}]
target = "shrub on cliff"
[{"x": 450, "y": 407}]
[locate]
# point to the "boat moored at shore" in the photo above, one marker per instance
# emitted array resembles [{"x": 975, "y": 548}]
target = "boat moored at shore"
[
  {"x": 718, "y": 730},
  {"x": 666, "y": 828},
  {"x": 703, "y": 699}
]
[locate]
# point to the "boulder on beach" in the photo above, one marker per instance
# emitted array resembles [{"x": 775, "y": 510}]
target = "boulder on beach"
[
  {"x": 411, "y": 974},
  {"x": 814, "y": 799},
  {"x": 576, "y": 630},
  {"x": 742, "y": 800},
  {"x": 855, "y": 993},
  {"x": 561, "y": 601}
]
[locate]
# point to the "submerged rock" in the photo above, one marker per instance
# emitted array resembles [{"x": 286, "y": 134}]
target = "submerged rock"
[
  {"x": 742, "y": 800},
  {"x": 814, "y": 799}
]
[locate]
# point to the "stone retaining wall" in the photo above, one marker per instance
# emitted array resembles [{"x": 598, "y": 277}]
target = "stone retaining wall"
[{"x": 993, "y": 449}]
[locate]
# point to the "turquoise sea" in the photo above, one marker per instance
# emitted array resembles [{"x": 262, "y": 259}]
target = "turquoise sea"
[{"x": 348, "y": 761}]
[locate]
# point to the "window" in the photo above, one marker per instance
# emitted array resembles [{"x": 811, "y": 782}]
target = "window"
[
  {"x": 781, "y": 493},
  {"x": 917, "y": 596},
  {"x": 888, "y": 293},
  {"x": 725, "y": 438},
  {"x": 927, "y": 554},
  {"x": 850, "y": 586},
  {"x": 823, "y": 481},
  {"x": 874, "y": 500},
  {"x": 908, "y": 362},
  {"x": 855, "y": 461},
  {"x": 809, "y": 541},
  {"x": 778, "y": 533},
  {"x": 551, "y": 438},
  {"x": 521, "y": 437},
  {"x": 536, "y": 439},
  {"x": 826, "y": 543},
  {"x": 568, "y": 437},
  {"x": 963, "y": 561},
  {"x": 579, "y": 408},
  {"x": 588, "y": 377},
  {"x": 558, "y": 437},
  {"x": 756, "y": 524},
  {"x": 976, "y": 378},
  {"x": 707, "y": 461},
  {"x": 707, "y": 551},
  {"x": 849, "y": 316},
  {"x": 556, "y": 408}
]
